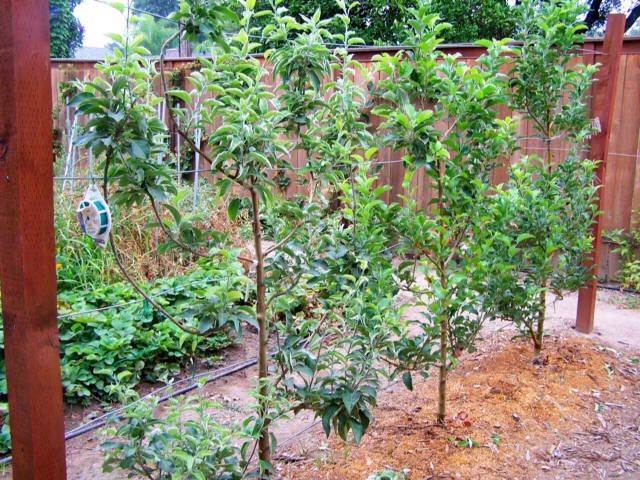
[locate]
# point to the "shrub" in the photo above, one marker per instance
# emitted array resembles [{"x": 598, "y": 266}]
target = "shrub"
[{"x": 627, "y": 246}]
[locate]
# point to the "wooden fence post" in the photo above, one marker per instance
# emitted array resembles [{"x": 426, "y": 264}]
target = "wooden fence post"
[
  {"x": 27, "y": 248},
  {"x": 604, "y": 97}
]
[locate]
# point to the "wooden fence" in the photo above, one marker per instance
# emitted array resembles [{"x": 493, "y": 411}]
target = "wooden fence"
[{"x": 622, "y": 193}]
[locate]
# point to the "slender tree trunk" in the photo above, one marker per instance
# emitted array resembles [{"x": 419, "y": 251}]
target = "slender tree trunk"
[
  {"x": 444, "y": 323},
  {"x": 542, "y": 307},
  {"x": 264, "y": 444},
  {"x": 442, "y": 383}
]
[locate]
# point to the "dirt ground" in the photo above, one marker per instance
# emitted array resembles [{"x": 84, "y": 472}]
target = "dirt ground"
[{"x": 577, "y": 416}]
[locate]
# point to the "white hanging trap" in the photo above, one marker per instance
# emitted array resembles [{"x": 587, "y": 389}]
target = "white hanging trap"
[{"x": 94, "y": 216}]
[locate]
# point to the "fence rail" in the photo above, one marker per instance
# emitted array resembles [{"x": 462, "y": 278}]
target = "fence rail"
[{"x": 622, "y": 194}]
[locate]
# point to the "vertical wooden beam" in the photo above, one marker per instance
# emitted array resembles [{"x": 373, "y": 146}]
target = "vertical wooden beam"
[
  {"x": 27, "y": 248},
  {"x": 604, "y": 97}
]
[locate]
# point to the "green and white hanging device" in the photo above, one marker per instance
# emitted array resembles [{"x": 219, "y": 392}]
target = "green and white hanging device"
[{"x": 94, "y": 216}]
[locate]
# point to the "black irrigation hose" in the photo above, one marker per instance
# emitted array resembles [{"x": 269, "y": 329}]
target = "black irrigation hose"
[{"x": 618, "y": 289}]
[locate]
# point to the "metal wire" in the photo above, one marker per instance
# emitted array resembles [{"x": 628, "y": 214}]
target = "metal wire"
[
  {"x": 138, "y": 10},
  {"x": 133, "y": 302}
]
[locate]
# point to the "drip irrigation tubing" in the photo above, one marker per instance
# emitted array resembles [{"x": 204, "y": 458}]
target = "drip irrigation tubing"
[{"x": 617, "y": 288}]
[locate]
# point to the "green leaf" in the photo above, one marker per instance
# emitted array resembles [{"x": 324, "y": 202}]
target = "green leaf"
[
  {"x": 327, "y": 417},
  {"x": 350, "y": 399},
  {"x": 232, "y": 209},
  {"x": 181, "y": 94},
  {"x": 407, "y": 380},
  {"x": 140, "y": 149}
]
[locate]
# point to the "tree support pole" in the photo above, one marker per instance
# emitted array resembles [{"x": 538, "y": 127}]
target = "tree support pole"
[
  {"x": 27, "y": 247},
  {"x": 603, "y": 101}
]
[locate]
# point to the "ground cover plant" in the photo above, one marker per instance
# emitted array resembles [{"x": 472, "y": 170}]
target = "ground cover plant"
[
  {"x": 545, "y": 212},
  {"x": 106, "y": 354}
]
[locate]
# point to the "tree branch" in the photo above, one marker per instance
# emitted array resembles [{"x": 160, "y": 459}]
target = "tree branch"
[
  {"x": 178, "y": 242},
  {"x": 123, "y": 270},
  {"x": 286, "y": 291},
  {"x": 284, "y": 240},
  {"x": 593, "y": 15},
  {"x": 634, "y": 14}
]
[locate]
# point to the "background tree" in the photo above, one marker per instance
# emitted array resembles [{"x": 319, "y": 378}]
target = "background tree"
[
  {"x": 472, "y": 20},
  {"x": 599, "y": 9},
  {"x": 381, "y": 22},
  {"x": 155, "y": 32},
  {"x": 66, "y": 32},
  {"x": 158, "y": 7},
  {"x": 375, "y": 21}
]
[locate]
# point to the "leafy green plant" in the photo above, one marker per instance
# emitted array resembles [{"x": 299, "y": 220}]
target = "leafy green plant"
[
  {"x": 627, "y": 246},
  {"x": 106, "y": 352},
  {"x": 441, "y": 113},
  {"x": 545, "y": 212},
  {"x": 322, "y": 272},
  {"x": 187, "y": 443},
  {"x": 389, "y": 475},
  {"x": 66, "y": 31}
]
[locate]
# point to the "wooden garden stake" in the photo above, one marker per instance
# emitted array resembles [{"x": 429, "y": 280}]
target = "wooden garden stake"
[
  {"x": 604, "y": 96},
  {"x": 27, "y": 248}
]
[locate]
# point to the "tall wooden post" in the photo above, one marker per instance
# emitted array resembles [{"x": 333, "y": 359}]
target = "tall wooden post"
[
  {"x": 604, "y": 97},
  {"x": 27, "y": 249}
]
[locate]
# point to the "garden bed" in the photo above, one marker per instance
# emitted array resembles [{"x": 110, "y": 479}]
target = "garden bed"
[{"x": 576, "y": 416}]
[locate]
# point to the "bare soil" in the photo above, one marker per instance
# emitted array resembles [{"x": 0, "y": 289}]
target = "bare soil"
[{"x": 575, "y": 416}]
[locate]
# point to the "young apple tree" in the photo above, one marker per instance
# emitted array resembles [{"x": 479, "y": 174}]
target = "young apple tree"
[
  {"x": 441, "y": 112},
  {"x": 322, "y": 288}
]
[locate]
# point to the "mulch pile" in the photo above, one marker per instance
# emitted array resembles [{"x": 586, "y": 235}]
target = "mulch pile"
[{"x": 575, "y": 416}]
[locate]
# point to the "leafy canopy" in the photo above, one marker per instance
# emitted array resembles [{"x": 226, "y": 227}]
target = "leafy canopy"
[{"x": 66, "y": 31}]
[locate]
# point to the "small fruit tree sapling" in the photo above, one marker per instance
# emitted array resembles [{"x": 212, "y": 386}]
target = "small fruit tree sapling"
[
  {"x": 442, "y": 113},
  {"x": 322, "y": 289},
  {"x": 545, "y": 212}
]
